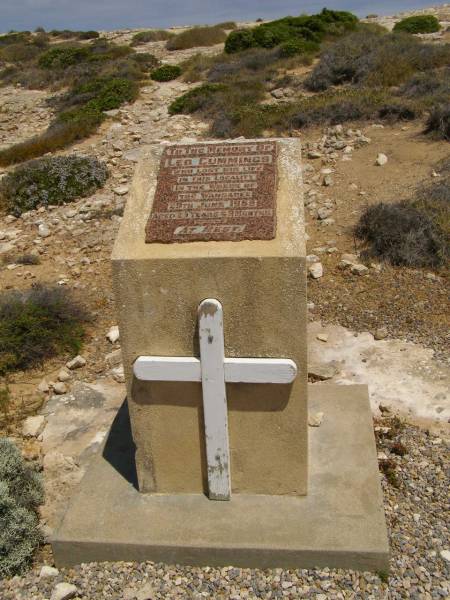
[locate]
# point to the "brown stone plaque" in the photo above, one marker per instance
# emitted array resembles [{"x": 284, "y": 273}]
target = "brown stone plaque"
[{"x": 215, "y": 192}]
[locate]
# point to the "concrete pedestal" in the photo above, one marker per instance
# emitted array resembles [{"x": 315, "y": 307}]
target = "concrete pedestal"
[
  {"x": 340, "y": 523},
  {"x": 262, "y": 287}
]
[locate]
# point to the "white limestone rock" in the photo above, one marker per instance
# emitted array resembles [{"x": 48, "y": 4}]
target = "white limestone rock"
[
  {"x": 316, "y": 270},
  {"x": 76, "y": 363},
  {"x": 60, "y": 388},
  {"x": 33, "y": 426},
  {"x": 48, "y": 572},
  {"x": 113, "y": 334},
  {"x": 64, "y": 591},
  {"x": 382, "y": 160}
]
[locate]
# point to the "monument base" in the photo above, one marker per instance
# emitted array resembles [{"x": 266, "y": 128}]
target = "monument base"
[{"x": 340, "y": 523}]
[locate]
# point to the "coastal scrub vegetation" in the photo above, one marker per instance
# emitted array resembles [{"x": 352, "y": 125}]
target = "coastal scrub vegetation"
[
  {"x": 313, "y": 29},
  {"x": 355, "y": 78},
  {"x": 99, "y": 75},
  {"x": 50, "y": 181},
  {"x": 418, "y": 24},
  {"x": 197, "y": 36},
  {"x": 21, "y": 493},
  {"x": 166, "y": 73},
  {"x": 414, "y": 233},
  {"x": 37, "y": 324},
  {"x": 151, "y": 35}
]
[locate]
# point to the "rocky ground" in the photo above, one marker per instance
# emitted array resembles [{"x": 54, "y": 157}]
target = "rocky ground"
[
  {"x": 370, "y": 323},
  {"x": 416, "y": 501}
]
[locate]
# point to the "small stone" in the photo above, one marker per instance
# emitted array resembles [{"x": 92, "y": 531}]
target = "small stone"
[
  {"x": 43, "y": 387},
  {"x": 114, "y": 358},
  {"x": 113, "y": 334},
  {"x": 315, "y": 420},
  {"x": 323, "y": 213},
  {"x": 381, "y": 333},
  {"x": 64, "y": 591},
  {"x": 60, "y": 388},
  {"x": 323, "y": 337},
  {"x": 359, "y": 269},
  {"x": 43, "y": 230},
  {"x": 48, "y": 572},
  {"x": 381, "y": 159},
  {"x": 118, "y": 374},
  {"x": 314, "y": 154},
  {"x": 121, "y": 190},
  {"x": 64, "y": 375},
  {"x": 32, "y": 426},
  {"x": 323, "y": 371},
  {"x": 445, "y": 554},
  {"x": 327, "y": 181},
  {"x": 76, "y": 363},
  {"x": 316, "y": 270}
]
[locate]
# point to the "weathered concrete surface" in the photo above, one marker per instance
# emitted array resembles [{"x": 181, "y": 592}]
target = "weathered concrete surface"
[
  {"x": 401, "y": 375},
  {"x": 77, "y": 424},
  {"x": 262, "y": 287},
  {"x": 340, "y": 523}
]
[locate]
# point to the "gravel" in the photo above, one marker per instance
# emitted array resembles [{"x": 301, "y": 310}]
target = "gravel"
[{"x": 415, "y": 500}]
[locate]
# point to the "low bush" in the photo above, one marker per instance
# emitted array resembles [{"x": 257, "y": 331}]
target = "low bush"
[
  {"x": 194, "y": 100},
  {"x": 418, "y": 24},
  {"x": 38, "y": 324},
  {"x": 307, "y": 28},
  {"x": 101, "y": 94},
  {"x": 226, "y": 25},
  {"x": 21, "y": 492},
  {"x": 60, "y": 57},
  {"x": 433, "y": 199},
  {"x": 438, "y": 122},
  {"x": 295, "y": 47},
  {"x": 68, "y": 34},
  {"x": 166, "y": 73},
  {"x": 367, "y": 58},
  {"x": 400, "y": 234},
  {"x": 152, "y": 35},
  {"x": 197, "y": 36},
  {"x": 51, "y": 181}
]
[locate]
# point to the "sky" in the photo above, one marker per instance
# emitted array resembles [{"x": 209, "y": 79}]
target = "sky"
[{"x": 121, "y": 14}]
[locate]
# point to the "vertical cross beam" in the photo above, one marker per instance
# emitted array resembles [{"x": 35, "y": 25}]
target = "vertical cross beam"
[{"x": 215, "y": 412}]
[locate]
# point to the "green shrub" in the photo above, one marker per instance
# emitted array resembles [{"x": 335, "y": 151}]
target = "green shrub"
[
  {"x": 51, "y": 181},
  {"x": 400, "y": 234},
  {"x": 102, "y": 94},
  {"x": 197, "y": 36},
  {"x": 239, "y": 40},
  {"x": 88, "y": 35},
  {"x": 226, "y": 25},
  {"x": 166, "y": 73},
  {"x": 195, "y": 99},
  {"x": 438, "y": 122},
  {"x": 61, "y": 57},
  {"x": 418, "y": 24},
  {"x": 298, "y": 46},
  {"x": 153, "y": 35},
  {"x": 312, "y": 28},
  {"x": 37, "y": 324},
  {"x": 21, "y": 492}
]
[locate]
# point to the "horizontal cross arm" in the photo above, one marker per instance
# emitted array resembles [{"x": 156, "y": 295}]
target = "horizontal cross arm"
[{"x": 237, "y": 370}]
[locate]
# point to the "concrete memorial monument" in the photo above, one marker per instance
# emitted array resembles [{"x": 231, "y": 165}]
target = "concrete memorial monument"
[{"x": 210, "y": 281}]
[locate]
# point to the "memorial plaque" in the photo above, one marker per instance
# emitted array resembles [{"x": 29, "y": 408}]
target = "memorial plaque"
[{"x": 215, "y": 192}]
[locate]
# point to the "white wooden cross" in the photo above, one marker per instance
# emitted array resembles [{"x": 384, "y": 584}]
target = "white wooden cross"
[{"x": 214, "y": 371}]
